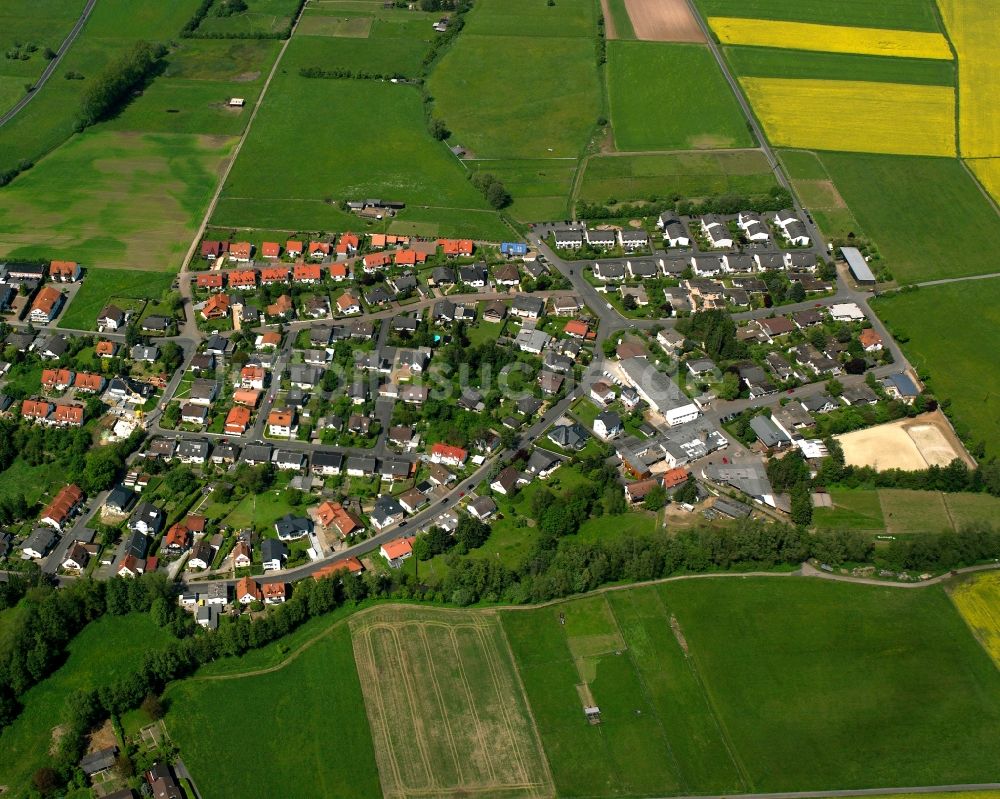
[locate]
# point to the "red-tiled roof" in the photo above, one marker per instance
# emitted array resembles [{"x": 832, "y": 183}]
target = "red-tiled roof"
[
  {"x": 307, "y": 272},
  {"x": 63, "y": 503},
  {"x": 211, "y": 280}
]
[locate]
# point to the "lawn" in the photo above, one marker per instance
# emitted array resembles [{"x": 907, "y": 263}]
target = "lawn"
[
  {"x": 113, "y": 27},
  {"x": 106, "y": 650},
  {"x": 892, "y": 197},
  {"x": 951, "y": 355},
  {"x": 692, "y": 109},
  {"x": 815, "y": 682},
  {"x": 113, "y": 199},
  {"x": 766, "y": 62},
  {"x": 542, "y": 104},
  {"x": 919, "y": 15},
  {"x": 317, "y": 743},
  {"x": 853, "y": 509},
  {"x": 347, "y": 159},
  {"x": 10, "y": 619},
  {"x": 708, "y": 174},
  {"x": 453, "y": 689},
  {"x": 100, "y": 285},
  {"x": 34, "y": 482}
]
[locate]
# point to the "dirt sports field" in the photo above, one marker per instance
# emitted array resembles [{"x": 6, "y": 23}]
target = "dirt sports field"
[
  {"x": 664, "y": 21},
  {"x": 446, "y": 707},
  {"x": 909, "y": 444}
]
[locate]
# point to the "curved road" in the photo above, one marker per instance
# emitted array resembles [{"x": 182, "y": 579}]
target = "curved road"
[{"x": 51, "y": 66}]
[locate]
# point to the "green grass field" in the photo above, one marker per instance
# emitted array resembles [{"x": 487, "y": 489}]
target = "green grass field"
[
  {"x": 919, "y": 15},
  {"x": 658, "y": 734},
  {"x": 800, "y": 720},
  {"x": 540, "y": 187},
  {"x": 312, "y": 708},
  {"x": 952, "y": 354},
  {"x": 853, "y": 509},
  {"x": 400, "y": 162},
  {"x": 113, "y": 27},
  {"x": 671, "y": 97},
  {"x": 180, "y": 105},
  {"x": 240, "y": 60},
  {"x": 766, "y": 62},
  {"x": 113, "y": 199},
  {"x": 100, "y": 285},
  {"x": 384, "y": 50},
  {"x": 893, "y": 197},
  {"x": 907, "y": 511},
  {"x": 261, "y": 17},
  {"x": 106, "y": 650},
  {"x": 902, "y": 512},
  {"x": 42, "y": 25},
  {"x": 521, "y": 18},
  {"x": 636, "y": 177},
  {"x": 542, "y": 104}
]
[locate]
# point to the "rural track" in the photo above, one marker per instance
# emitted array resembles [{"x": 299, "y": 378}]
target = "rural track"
[
  {"x": 946, "y": 280},
  {"x": 236, "y": 150},
  {"x": 52, "y": 65}
]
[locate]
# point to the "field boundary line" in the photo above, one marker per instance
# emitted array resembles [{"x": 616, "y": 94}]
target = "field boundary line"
[
  {"x": 804, "y": 571},
  {"x": 185, "y": 264},
  {"x": 692, "y": 664}
]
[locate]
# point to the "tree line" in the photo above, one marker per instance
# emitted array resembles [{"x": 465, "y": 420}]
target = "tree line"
[
  {"x": 112, "y": 87},
  {"x": 654, "y": 205},
  {"x": 558, "y": 567}
]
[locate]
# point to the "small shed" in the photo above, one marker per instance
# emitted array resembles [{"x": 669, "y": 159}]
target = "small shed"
[{"x": 237, "y": 102}]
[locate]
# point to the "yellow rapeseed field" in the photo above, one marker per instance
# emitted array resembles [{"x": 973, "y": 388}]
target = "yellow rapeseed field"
[
  {"x": 979, "y": 603},
  {"x": 972, "y": 25},
  {"x": 988, "y": 172},
  {"x": 855, "y": 116},
  {"x": 830, "y": 38}
]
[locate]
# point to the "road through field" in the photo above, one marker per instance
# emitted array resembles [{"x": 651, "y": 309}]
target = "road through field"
[
  {"x": 185, "y": 284},
  {"x": 51, "y": 67}
]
